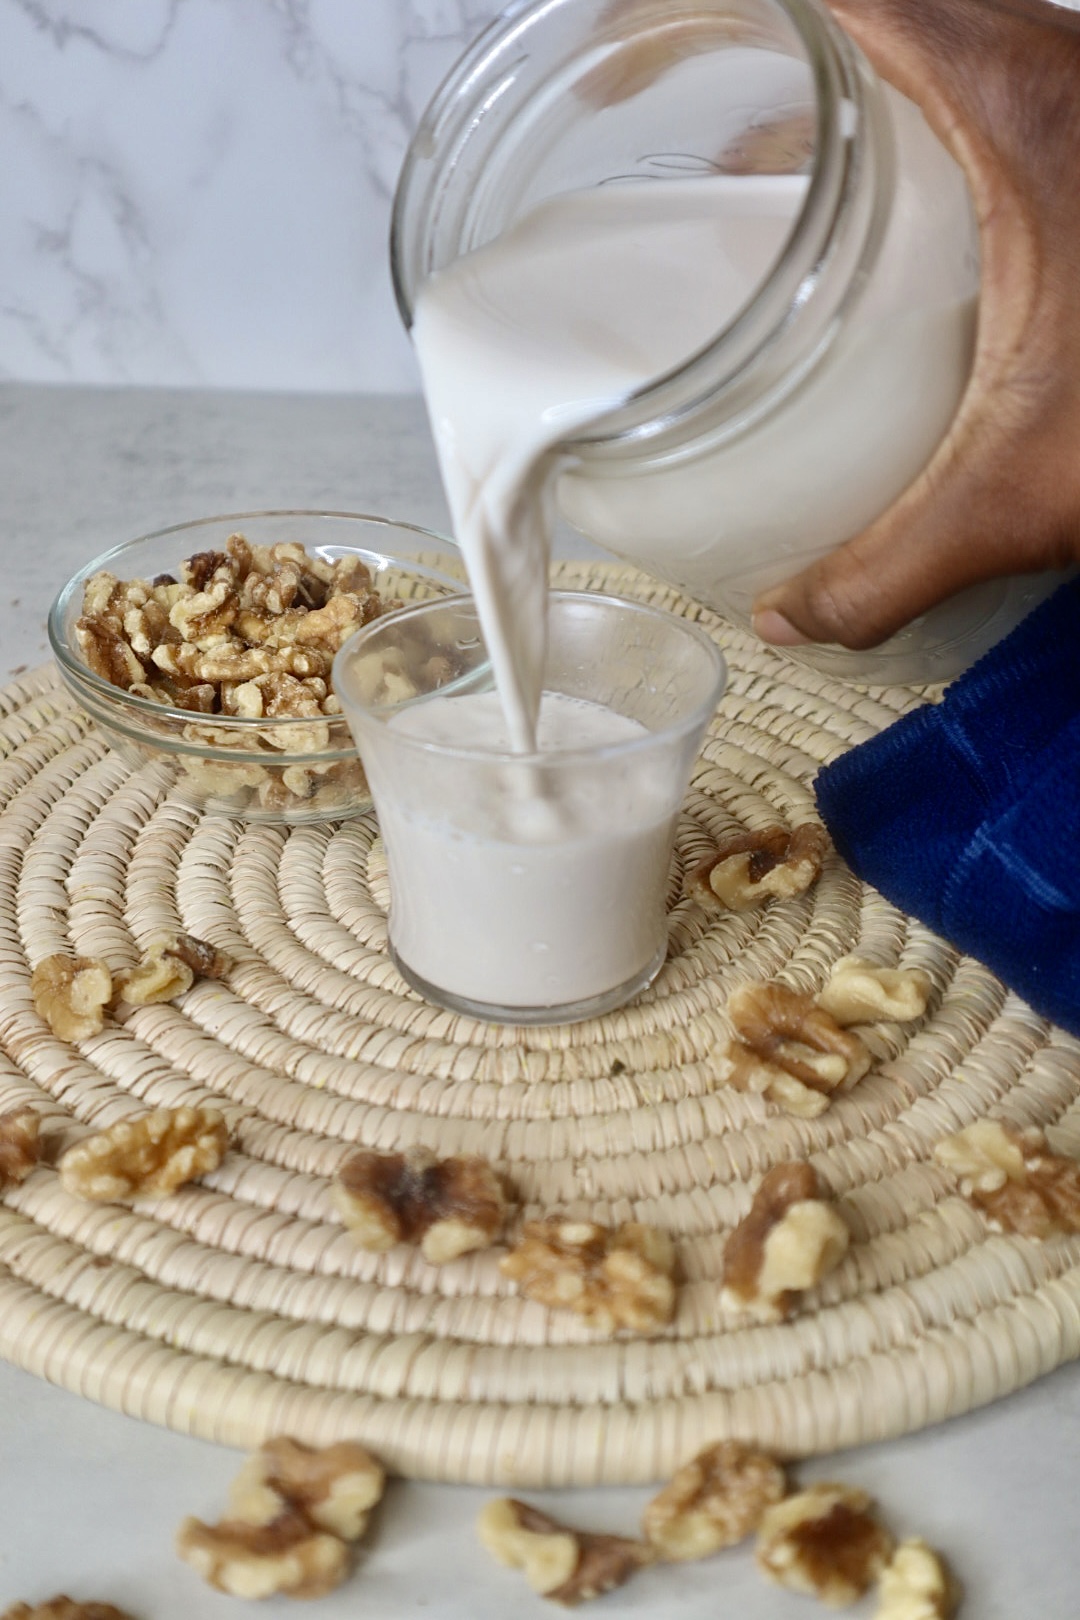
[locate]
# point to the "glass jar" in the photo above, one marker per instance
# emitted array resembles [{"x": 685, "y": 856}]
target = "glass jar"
[{"x": 828, "y": 392}]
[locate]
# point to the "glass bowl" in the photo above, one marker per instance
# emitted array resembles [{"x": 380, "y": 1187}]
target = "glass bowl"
[{"x": 280, "y": 769}]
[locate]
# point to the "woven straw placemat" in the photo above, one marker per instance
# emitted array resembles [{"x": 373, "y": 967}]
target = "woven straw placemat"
[{"x": 238, "y": 1307}]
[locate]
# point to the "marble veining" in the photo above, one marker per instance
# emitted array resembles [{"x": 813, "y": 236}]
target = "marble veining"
[{"x": 197, "y": 192}]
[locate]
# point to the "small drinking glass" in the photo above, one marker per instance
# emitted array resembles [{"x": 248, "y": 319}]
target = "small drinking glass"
[{"x": 529, "y": 888}]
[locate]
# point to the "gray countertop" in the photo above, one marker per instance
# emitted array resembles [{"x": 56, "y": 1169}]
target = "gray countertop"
[{"x": 89, "y": 1500}]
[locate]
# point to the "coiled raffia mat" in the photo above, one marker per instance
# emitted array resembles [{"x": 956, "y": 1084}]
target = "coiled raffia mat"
[{"x": 238, "y": 1307}]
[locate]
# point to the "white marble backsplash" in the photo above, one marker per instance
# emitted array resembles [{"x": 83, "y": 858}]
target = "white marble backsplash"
[{"x": 198, "y": 191}]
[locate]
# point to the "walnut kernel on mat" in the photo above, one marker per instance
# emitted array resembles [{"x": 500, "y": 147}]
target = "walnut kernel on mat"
[
  {"x": 146, "y": 1157},
  {"x": 567, "y": 1566},
  {"x": 616, "y": 1278},
  {"x": 1014, "y": 1178},
  {"x": 917, "y": 1585},
  {"x": 20, "y": 1145},
  {"x": 713, "y": 1501},
  {"x": 168, "y": 968},
  {"x": 335, "y": 1487},
  {"x": 791, "y": 1238},
  {"x": 64, "y": 1608},
  {"x": 71, "y": 993},
  {"x": 859, "y": 992},
  {"x": 789, "y": 1050},
  {"x": 824, "y": 1541},
  {"x": 449, "y": 1206},
  {"x": 749, "y": 868},
  {"x": 288, "y": 1555}
]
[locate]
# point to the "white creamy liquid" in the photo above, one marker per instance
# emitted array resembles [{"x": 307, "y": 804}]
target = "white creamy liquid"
[{"x": 523, "y": 899}]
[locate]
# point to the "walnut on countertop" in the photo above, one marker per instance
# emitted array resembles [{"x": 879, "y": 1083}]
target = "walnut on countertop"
[
  {"x": 71, "y": 993},
  {"x": 1014, "y": 1178},
  {"x": 169, "y": 968},
  {"x": 450, "y": 1206},
  {"x": 20, "y": 1145},
  {"x": 64, "y": 1608},
  {"x": 146, "y": 1157},
  {"x": 567, "y": 1566},
  {"x": 748, "y": 868},
  {"x": 791, "y": 1238},
  {"x": 824, "y": 1541},
  {"x": 288, "y": 1555},
  {"x": 790, "y": 1050},
  {"x": 713, "y": 1501},
  {"x": 619, "y": 1278},
  {"x": 859, "y": 992},
  {"x": 917, "y": 1585},
  {"x": 335, "y": 1487}
]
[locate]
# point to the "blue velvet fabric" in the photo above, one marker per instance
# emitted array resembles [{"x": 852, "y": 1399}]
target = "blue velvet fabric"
[{"x": 967, "y": 813}]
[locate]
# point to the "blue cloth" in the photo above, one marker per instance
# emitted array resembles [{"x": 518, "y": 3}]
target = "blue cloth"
[{"x": 966, "y": 813}]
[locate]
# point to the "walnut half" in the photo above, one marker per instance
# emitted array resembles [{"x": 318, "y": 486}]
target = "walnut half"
[
  {"x": 146, "y": 1157},
  {"x": 258, "y": 1560},
  {"x": 621, "y": 1278},
  {"x": 859, "y": 992},
  {"x": 1014, "y": 1178},
  {"x": 917, "y": 1585},
  {"x": 20, "y": 1145},
  {"x": 751, "y": 867},
  {"x": 791, "y": 1238},
  {"x": 169, "y": 968},
  {"x": 790, "y": 1050},
  {"x": 567, "y": 1566},
  {"x": 713, "y": 1501},
  {"x": 335, "y": 1487},
  {"x": 824, "y": 1541},
  {"x": 449, "y": 1206},
  {"x": 71, "y": 993}
]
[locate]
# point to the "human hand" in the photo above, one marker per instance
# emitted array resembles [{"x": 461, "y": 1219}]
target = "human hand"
[{"x": 1002, "y": 493}]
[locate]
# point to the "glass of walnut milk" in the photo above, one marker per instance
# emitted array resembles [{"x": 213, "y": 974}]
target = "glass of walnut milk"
[{"x": 529, "y": 887}]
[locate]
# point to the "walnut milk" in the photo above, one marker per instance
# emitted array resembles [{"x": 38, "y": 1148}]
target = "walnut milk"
[{"x": 688, "y": 271}]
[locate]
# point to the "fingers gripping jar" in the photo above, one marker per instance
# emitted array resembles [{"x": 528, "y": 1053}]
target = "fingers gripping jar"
[{"x": 822, "y": 397}]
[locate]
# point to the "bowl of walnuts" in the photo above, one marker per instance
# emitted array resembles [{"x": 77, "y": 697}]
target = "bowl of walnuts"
[{"x": 207, "y": 648}]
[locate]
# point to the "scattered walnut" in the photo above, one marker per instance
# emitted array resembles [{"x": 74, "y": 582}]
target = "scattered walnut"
[
  {"x": 790, "y": 1239},
  {"x": 287, "y": 1555},
  {"x": 791, "y": 1051},
  {"x": 449, "y": 1205},
  {"x": 169, "y": 968},
  {"x": 621, "y": 1278},
  {"x": 335, "y": 1488},
  {"x": 860, "y": 993},
  {"x": 917, "y": 1585},
  {"x": 824, "y": 1541},
  {"x": 713, "y": 1501},
  {"x": 64, "y": 1608},
  {"x": 20, "y": 1145},
  {"x": 749, "y": 868},
  {"x": 71, "y": 993},
  {"x": 1014, "y": 1178},
  {"x": 567, "y": 1566},
  {"x": 146, "y": 1157}
]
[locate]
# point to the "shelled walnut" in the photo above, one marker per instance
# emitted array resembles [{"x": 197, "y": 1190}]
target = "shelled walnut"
[
  {"x": 824, "y": 1541},
  {"x": 567, "y": 1566},
  {"x": 20, "y": 1145},
  {"x": 169, "y": 968},
  {"x": 789, "y": 1241},
  {"x": 288, "y": 1555},
  {"x": 64, "y": 1608},
  {"x": 449, "y": 1206},
  {"x": 859, "y": 992},
  {"x": 617, "y": 1279},
  {"x": 748, "y": 868},
  {"x": 1014, "y": 1178},
  {"x": 713, "y": 1501},
  {"x": 917, "y": 1585},
  {"x": 789, "y": 1050},
  {"x": 335, "y": 1487},
  {"x": 71, "y": 993},
  {"x": 146, "y": 1157}
]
